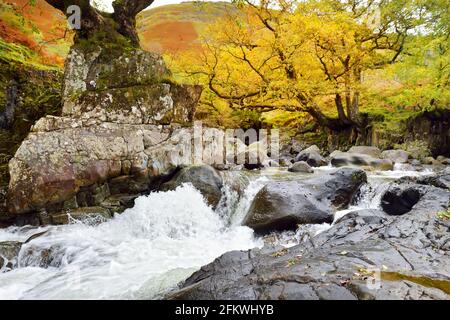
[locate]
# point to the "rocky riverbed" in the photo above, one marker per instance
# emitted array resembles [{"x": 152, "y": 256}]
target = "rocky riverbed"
[
  {"x": 383, "y": 252},
  {"x": 368, "y": 249}
]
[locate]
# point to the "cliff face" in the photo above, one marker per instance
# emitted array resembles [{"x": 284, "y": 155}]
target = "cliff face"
[
  {"x": 431, "y": 129},
  {"x": 121, "y": 116},
  {"x": 428, "y": 131},
  {"x": 434, "y": 129}
]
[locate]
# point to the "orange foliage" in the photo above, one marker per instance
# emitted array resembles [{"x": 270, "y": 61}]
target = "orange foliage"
[{"x": 170, "y": 37}]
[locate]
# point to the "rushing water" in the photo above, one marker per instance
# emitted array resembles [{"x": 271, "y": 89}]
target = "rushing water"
[
  {"x": 148, "y": 249},
  {"x": 138, "y": 254}
]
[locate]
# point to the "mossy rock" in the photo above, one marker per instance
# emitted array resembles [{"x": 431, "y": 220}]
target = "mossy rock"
[{"x": 38, "y": 95}]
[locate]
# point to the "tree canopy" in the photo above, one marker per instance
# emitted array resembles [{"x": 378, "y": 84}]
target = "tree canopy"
[{"x": 316, "y": 57}]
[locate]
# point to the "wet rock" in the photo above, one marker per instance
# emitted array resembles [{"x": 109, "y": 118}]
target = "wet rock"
[
  {"x": 428, "y": 160},
  {"x": 396, "y": 156},
  {"x": 342, "y": 159},
  {"x": 286, "y": 162},
  {"x": 35, "y": 236},
  {"x": 284, "y": 205},
  {"x": 397, "y": 201},
  {"x": 300, "y": 166},
  {"x": 9, "y": 252},
  {"x": 204, "y": 178},
  {"x": 374, "y": 152},
  {"x": 443, "y": 160},
  {"x": 93, "y": 215},
  {"x": 439, "y": 180},
  {"x": 35, "y": 255},
  {"x": 311, "y": 156},
  {"x": 366, "y": 255}
]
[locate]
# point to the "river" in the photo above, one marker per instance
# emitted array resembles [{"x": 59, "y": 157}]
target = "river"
[{"x": 145, "y": 251}]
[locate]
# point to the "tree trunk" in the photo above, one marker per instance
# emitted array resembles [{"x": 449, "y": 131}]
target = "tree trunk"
[
  {"x": 125, "y": 12},
  {"x": 94, "y": 22},
  {"x": 340, "y": 108}
]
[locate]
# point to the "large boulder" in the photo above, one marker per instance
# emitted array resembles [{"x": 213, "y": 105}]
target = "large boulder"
[
  {"x": 396, "y": 156},
  {"x": 343, "y": 159},
  {"x": 300, "y": 166},
  {"x": 111, "y": 142},
  {"x": 284, "y": 205},
  {"x": 367, "y": 150},
  {"x": 204, "y": 178},
  {"x": 68, "y": 163},
  {"x": 63, "y": 155},
  {"x": 124, "y": 87},
  {"x": 439, "y": 180},
  {"x": 366, "y": 255},
  {"x": 311, "y": 156}
]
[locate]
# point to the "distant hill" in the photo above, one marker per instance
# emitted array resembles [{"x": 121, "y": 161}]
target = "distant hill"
[
  {"x": 178, "y": 27},
  {"x": 39, "y": 29}
]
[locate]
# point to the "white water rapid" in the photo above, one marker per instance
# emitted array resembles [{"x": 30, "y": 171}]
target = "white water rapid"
[
  {"x": 139, "y": 254},
  {"x": 148, "y": 249}
]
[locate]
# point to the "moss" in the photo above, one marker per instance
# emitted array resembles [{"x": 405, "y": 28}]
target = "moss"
[
  {"x": 106, "y": 37},
  {"x": 39, "y": 94},
  {"x": 440, "y": 284},
  {"x": 444, "y": 215}
]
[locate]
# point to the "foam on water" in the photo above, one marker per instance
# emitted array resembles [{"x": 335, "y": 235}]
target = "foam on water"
[{"x": 139, "y": 254}]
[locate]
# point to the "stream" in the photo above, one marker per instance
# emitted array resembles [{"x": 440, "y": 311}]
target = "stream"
[{"x": 145, "y": 251}]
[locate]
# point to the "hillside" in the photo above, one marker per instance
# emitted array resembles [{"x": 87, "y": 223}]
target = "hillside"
[
  {"x": 178, "y": 27},
  {"x": 39, "y": 33}
]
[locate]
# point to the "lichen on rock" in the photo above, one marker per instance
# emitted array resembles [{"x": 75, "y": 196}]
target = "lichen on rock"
[{"x": 116, "y": 132}]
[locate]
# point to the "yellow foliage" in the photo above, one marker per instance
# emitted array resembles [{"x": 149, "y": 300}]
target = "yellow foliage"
[{"x": 308, "y": 57}]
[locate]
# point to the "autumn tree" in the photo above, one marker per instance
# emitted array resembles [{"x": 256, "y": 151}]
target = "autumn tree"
[
  {"x": 98, "y": 25},
  {"x": 303, "y": 56}
]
